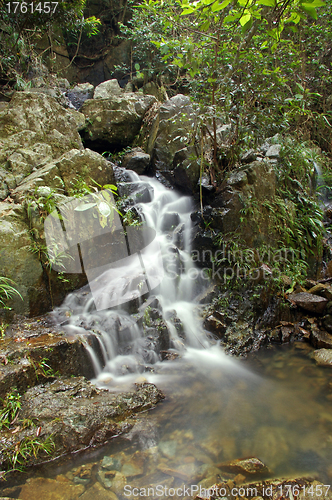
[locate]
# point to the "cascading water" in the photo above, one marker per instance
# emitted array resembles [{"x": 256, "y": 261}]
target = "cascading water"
[{"x": 119, "y": 338}]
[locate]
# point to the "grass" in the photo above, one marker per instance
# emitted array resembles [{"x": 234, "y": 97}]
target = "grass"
[
  {"x": 11, "y": 405},
  {"x": 7, "y": 291}
]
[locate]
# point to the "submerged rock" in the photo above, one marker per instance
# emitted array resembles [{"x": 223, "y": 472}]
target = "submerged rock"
[
  {"x": 323, "y": 357},
  {"x": 246, "y": 466}
]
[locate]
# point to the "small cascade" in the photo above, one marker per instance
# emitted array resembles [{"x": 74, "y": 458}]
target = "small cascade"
[
  {"x": 323, "y": 192},
  {"x": 163, "y": 272}
]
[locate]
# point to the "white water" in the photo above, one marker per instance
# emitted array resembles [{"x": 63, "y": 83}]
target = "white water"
[{"x": 119, "y": 340}]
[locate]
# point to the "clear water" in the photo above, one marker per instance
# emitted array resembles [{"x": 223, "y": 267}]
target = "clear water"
[{"x": 276, "y": 406}]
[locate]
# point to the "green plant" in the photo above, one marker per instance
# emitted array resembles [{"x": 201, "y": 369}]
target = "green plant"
[
  {"x": 11, "y": 405},
  {"x": 30, "y": 446},
  {"x": 7, "y": 291}
]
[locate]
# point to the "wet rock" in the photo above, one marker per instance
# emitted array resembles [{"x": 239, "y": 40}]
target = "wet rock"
[
  {"x": 134, "y": 466},
  {"x": 169, "y": 221},
  {"x": 65, "y": 356},
  {"x": 327, "y": 322},
  {"x": 178, "y": 236},
  {"x": 136, "y": 160},
  {"x": 323, "y": 357},
  {"x": 51, "y": 489},
  {"x": 97, "y": 492},
  {"x": 246, "y": 466},
  {"x": 77, "y": 415},
  {"x": 322, "y": 290},
  {"x": 214, "y": 325},
  {"x": 111, "y": 463},
  {"x": 308, "y": 301},
  {"x": 168, "y": 448},
  {"x": 107, "y": 89},
  {"x": 319, "y": 338}
]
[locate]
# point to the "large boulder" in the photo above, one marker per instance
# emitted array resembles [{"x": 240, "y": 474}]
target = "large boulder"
[
  {"x": 17, "y": 261},
  {"x": 63, "y": 173},
  {"x": 34, "y": 129},
  {"x": 241, "y": 202},
  {"x": 115, "y": 121},
  {"x": 171, "y": 131},
  {"x": 107, "y": 89}
]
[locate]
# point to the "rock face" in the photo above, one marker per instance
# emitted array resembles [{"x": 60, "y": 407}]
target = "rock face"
[
  {"x": 62, "y": 174},
  {"x": 16, "y": 259},
  {"x": 115, "y": 121},
  {"x": 80, "y": 93},
  {"x": 107, "y": 89},
  {"x": 41, "y": 158},
  {"x": 136, "y": 160}
]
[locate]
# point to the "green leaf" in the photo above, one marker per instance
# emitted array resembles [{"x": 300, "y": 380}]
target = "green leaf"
[
  {"x": 245, "y": 19},
  {"x": 268, "y": 3},
  {"x": 217, "y": 6},
  {"x": 137, "y": 67},
  {"x": 316, "y": 3},
  {"x": 309, "y": 9},
  {"x": 104, "y": 209},
  {"x": 187, "y": 10},
  {"x": 85, "y": 206}
]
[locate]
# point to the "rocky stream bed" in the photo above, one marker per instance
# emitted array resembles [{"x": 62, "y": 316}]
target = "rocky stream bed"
[{"x": 81, "y": 427}]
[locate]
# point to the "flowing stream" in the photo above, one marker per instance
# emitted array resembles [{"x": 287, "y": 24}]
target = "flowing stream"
[
  {"x": 275, "y": 406},
  {"x": 165, "y": 262}
]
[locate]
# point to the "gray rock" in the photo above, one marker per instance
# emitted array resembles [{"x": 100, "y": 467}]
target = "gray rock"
[
  {"x": 66, "y": 171},
  {"x": 17, "y": 262},
  {"x": 35, "y": 129},
  {"x": 111, "y": 463},
  {"x": 117, "y": 120},
  {"x": 323, "y": 357},
  {"x": 171, "y": 130},
  {"x": 107, "y": 89},
  {"x": 136, "y": 160},
  {"x": 238, "y": 179},
  {"x": 274, "y": 151}
]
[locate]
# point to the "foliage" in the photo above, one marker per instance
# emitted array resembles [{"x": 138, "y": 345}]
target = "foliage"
[
  {"x": 7, "y": 291},
  {"x": 10, "y": 408},
  {"x": 22, "y": 27},
  {"x": 247, "y": 60},
  {"x": 29, "y": 447}
]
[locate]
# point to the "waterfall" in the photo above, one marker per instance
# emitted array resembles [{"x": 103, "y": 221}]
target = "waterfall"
[{"x": 163, "y": 274}]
